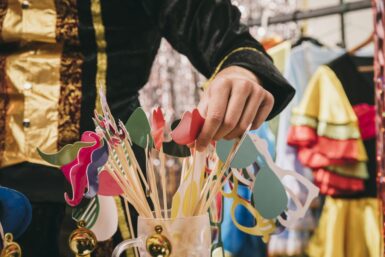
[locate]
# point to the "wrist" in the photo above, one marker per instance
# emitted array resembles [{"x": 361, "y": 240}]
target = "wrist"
[{"x": 239, "y": 72}]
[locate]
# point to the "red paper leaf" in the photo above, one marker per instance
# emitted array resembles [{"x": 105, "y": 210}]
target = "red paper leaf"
[
  {"x": 189, "y": 128},
  {"x": 157, "y": 127}
]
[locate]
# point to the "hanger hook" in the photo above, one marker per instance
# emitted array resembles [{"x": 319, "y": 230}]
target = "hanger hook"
[{"x": 266, "y": 14}]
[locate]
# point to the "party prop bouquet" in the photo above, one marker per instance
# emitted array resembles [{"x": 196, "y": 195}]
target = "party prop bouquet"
[{"x": 103, "y": 164}]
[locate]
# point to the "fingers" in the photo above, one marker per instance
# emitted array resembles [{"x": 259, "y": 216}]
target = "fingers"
[
  {"x": 238, "y": 97},
  {"x": 219, "y": 94},
  {"x": 249, "y": 113},
  {"x": 263, "y": 111}
]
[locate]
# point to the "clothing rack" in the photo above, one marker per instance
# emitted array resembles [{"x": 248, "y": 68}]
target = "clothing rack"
[{"x": 341, "y": 9}]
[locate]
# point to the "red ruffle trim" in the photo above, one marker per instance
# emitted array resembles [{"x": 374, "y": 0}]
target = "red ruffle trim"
[
  {"x": 333, "y": 184},
  {"x": 317, "y": 152},
  {"x": 366, "y": 120}
]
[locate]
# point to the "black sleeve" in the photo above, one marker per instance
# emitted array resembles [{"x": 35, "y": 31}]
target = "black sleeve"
[{"x": 206, "y": 31}]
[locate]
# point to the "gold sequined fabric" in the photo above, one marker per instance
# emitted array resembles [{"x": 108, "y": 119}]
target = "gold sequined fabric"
[
  {"x": 3, "y": 11},
  {"x": 3, "y": 106},
  {"x": 70, "y": 97},
  {"x": 67, "y": 22}
]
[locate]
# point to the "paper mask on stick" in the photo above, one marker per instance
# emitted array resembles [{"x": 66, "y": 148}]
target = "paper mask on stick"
[{"x": 139, "y": 128}]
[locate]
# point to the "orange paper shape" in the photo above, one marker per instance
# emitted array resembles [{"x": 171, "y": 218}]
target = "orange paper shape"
[{"x": 189, "y": 128}]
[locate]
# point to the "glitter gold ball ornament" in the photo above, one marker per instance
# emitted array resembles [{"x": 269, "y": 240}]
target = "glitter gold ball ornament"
[
  {"x": 82, "y": 241},
  {"x": 158, "y": 245},
  {"x": 11, "y": 249}
]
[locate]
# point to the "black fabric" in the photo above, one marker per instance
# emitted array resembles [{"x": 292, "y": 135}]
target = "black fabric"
[
  {"x": 203, "y": 30},
  {"x": 359, "y": 88},
  {"x": 38, "y": 182},
  {"x": 89, "y": 51},
  {"x": 41, "y": 239}
]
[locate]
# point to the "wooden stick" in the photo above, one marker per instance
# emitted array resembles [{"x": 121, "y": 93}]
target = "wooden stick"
[
  {"x": 130, "y": 195},
  {"x": 128, "y": 215},
  {"x": 135, "y": 162},
  {"x": 162, "y": 171},
  {"x": 154, "y": 188},
  {"x": 131, "y": 173},
  {"x": 191, "y": 174}
]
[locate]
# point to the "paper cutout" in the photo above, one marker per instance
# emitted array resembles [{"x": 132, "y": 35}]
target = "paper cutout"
[
  {"x": 300, "y": 209},
  {"x": 268, "y": 193},
  {"x": 106, "y": 223},
  {"x": 263, "y": 227},
  {"x": 15, "y": 211},
  {"x": 173, "y": 149},
  {"x": 98, "y": 158},
  {"x": 77, "y": 174},
  {"x": 244, "y": 157},
  {"x": 241, "y": 178},
  {"x": 139, "y": 128},
  {"x": 189, "y": 128},
  {"x": 189, "y": 188},
  {"x": 157, "y": 127},
  {"x": 107, "y": 185},
  {"x": 66, "y": 155},
  {"x": 87, "y": 210}
]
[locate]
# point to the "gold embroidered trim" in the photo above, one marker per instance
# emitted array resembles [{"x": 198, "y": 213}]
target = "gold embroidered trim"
[
  {"x": 101, "y": 72},
  {"x": 3, "y": 12},
  {"x": 70, "y": 97},
  {"x": 67, "y": 22},
  {"x": 218, "y": 68},
  {"x": 4, "y": 101}
]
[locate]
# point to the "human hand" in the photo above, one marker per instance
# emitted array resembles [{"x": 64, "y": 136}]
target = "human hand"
[{"x": 234, "y": 100}]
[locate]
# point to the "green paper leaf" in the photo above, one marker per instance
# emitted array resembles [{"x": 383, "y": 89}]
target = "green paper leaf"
[
  {"x": 66, "y": 155},
  {"x": 246, "y": 155},
  {"x": 139, "y": 128},
  {"x": 88, "y": 211},
  {"x": 173, "y": 149},
  {"x": 269, "y": 194},
  {"x": 175, "y": 124}
]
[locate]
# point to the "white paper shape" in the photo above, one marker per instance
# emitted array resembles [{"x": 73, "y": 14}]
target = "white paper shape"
[{"x": 106, "y": 223}]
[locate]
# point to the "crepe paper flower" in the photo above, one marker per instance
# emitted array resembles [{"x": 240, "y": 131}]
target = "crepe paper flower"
[
  {"x": 157, "y": 127},
  {"x": 189, "y": 128}
]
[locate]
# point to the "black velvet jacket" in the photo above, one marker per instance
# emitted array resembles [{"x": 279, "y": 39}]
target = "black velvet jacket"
[{"x": 108, "y": 41}]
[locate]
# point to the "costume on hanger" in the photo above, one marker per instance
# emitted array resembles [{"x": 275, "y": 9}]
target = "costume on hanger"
[
  {"x": 333, "y": 130},
  {"x": 302, "y": 62}
]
